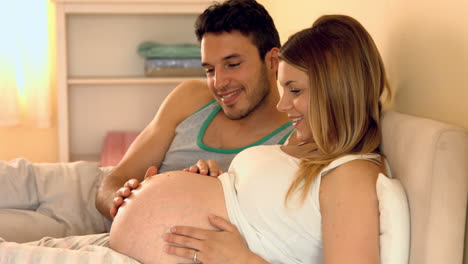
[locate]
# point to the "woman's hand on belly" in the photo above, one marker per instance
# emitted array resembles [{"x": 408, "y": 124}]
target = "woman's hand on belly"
[{"x": 210, "y": 246}]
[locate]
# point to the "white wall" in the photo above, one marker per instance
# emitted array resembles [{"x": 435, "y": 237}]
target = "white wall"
[
  {"x": 34, "y": 144},
  {"x": 423, "y": 43}
]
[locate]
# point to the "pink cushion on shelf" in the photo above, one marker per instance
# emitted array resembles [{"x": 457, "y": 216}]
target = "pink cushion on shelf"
[{"x": 115, "y": 145}]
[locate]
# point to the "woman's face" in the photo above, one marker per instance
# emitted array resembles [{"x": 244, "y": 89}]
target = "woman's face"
[{"x": 295, "y": 99}]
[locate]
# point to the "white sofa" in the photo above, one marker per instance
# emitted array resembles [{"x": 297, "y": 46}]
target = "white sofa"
[{"x": 431, "y": 160}]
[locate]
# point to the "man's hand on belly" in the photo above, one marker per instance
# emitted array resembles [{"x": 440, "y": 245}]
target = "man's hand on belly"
[
  {"x": 125, "y": 192},
  {"x": 206, "y": 167}
]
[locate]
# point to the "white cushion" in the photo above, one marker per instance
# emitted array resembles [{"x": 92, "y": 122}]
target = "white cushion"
[{"x": 394, "y": 221}]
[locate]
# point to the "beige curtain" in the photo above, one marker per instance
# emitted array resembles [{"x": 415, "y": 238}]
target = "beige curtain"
[{"x": 25, "y": 94}]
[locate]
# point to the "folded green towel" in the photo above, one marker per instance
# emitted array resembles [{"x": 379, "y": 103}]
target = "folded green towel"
[{"x": 157, "y": 50}]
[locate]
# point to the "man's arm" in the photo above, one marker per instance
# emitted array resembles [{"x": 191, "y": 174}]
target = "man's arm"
[{"x": 150, "y": 147}]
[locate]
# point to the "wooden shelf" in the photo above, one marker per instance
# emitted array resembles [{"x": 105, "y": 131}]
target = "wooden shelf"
[{"x": 131, "y": 80}]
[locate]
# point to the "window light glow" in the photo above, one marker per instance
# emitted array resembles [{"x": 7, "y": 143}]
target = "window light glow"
[{"x": 24, "y": 61}]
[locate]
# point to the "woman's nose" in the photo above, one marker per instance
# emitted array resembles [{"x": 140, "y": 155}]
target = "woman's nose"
[{"x": 283, "y": 104}]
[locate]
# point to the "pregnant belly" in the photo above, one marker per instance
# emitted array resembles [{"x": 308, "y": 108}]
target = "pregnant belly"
[{"x": 163, "y": 201}]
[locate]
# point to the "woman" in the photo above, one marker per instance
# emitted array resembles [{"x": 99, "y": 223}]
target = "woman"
[{"x": 286, "y": 204}]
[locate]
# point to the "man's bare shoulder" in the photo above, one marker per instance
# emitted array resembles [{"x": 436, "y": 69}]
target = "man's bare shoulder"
[
  {"x": 185, "y": 99},
  {"x": 192, "y": 93}
]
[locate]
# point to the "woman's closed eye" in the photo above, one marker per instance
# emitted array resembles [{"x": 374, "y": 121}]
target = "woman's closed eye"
[{"x": 295, "y": 91}]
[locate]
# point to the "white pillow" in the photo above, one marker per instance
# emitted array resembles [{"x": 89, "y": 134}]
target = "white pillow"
[{"x": 394, "y": 221}]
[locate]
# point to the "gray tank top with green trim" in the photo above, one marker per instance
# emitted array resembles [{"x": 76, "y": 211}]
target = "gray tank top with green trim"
[{"x": 187, "y": 146}]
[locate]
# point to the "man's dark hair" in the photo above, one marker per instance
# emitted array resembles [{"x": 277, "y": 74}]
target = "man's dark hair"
[{"x": 246, "y": 16}]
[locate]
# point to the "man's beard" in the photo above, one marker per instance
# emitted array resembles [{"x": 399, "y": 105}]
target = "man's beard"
[{"x": 256, "y": 98}]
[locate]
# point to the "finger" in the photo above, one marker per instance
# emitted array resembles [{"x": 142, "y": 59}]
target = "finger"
[
  {"x": 182, "y": 241},
  {"x": 151, "y": 171},
  {"x": 222, "y": 223},
  {"x": 203, "y": 167},
  {"x": 190, "y": 231},
  {"x": 123, "y": 192},
  {"x": 118, "y": 201},
  {"x": 113, "y": 212},
  {"x": 214, "y": 168},
  {"x": 132, "y": 184},
  {"x": 193, "y": 169},
  {"x": 187, "y": 253}
]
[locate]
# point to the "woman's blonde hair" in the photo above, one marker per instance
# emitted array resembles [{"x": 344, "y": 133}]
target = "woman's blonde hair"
[{"x": 347, "y": 80}]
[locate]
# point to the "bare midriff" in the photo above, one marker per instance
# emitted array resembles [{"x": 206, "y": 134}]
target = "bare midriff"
[{"x": 161, "y": 202}]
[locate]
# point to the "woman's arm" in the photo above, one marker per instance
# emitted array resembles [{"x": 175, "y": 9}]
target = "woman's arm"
[{"x": 350, "y": 214}]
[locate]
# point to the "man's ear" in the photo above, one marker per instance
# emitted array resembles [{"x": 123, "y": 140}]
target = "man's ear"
[{"x": 272, "y": 60}]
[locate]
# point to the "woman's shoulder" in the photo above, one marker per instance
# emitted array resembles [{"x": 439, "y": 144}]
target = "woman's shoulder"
[
  {"x": 352, "y": 174},
  {"x": 353, "y": 164},
  {"x": 357, "y": 168},
  {"x": 352, "y": 184}
]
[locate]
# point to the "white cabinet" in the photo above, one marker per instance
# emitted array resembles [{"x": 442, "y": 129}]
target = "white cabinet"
[{"x": 100, "y": 77}]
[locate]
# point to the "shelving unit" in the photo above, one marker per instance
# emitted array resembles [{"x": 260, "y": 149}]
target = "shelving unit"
[
  {"x": 127, "y": 80},
  {"x": 100, "y": 77}
]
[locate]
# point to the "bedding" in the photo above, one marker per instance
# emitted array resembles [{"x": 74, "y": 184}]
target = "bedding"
[
  {"x": 70, "y": 250},
  {"x": 53, "y": 200},
  {"x": 49, "y": 199}
]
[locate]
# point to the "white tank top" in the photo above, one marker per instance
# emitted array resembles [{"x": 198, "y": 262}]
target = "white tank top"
[{"x": 255, "y": 187}]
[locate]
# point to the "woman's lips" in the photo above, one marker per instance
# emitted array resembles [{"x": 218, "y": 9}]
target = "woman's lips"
[{"x": 297, "y": 120}]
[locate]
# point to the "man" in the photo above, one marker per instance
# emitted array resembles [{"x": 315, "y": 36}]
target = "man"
[{"x": 239, "y": 45}]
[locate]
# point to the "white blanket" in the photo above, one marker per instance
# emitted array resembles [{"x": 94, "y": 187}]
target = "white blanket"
[
  {"x": 70, "y": 250},
  {"x": 53, "y": 200}
]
